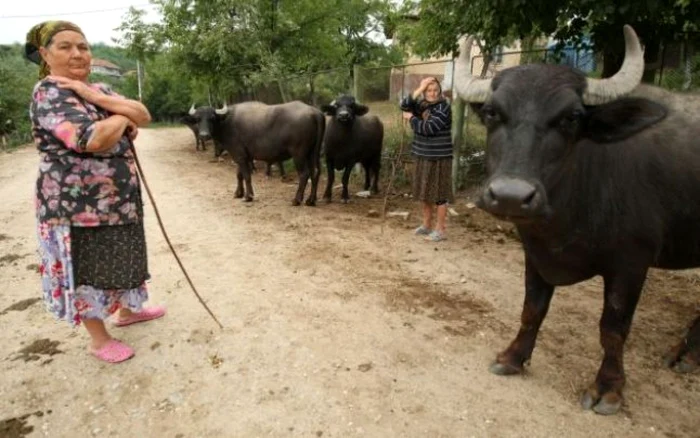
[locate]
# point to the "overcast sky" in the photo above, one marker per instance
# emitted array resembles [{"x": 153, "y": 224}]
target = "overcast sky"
[{"x": 18, "y": 16}]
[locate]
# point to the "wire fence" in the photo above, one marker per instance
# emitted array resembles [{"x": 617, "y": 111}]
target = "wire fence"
[{"x": 382, "y": 87}]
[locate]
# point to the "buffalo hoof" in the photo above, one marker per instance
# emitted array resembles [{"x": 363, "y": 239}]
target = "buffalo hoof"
[
  {"x": 238, "y": 195},
  {"x": 680, "y": 360},
  {"x": 345, "y": 200},
  {"x": 504, "y": 369},
  {"x": 311, "y": 202},
  {"x": 296, "y": 202},
  {"x": 248, "y": 199},
  {"x": 609, "y": 404}
]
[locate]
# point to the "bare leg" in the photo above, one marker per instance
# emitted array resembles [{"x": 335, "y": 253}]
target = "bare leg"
[
  {"x": 98, "y": 333},
  {"x": 427, "y": 215},
  {"x": 441, "y": 218},
  {"x": 125, "y": 313}
]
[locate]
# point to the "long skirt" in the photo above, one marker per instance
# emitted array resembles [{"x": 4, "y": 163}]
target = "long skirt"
[
  {"x": 73, "y": 300},
  {"x": 432, "y": 182}
]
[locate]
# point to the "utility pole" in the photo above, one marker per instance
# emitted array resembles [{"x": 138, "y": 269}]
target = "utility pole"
[{"x": 138, "y": 78}]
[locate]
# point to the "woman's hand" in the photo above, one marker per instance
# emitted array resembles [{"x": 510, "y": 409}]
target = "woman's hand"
[
  {"x": 407, "y": 115},
  {"x": 132, "y": 109},
  {"x": 422, "y": 87},
  {"x": 79, "y": 87},
  {"x": 425, "y": 82},
  {"x": 132, "y": 130}
]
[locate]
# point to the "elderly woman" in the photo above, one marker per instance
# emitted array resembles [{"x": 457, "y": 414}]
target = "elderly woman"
[
  {"x": 431, "y": 121},
  {"x": 88, "y": 199}
]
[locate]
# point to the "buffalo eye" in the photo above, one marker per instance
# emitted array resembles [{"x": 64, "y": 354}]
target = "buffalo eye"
[
  {"x": 570, "y": 121},
  {"x": 490, "y": 115}
]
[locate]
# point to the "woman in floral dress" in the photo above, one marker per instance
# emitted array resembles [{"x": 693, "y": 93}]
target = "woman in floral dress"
[{"x": 88, "y": 198}]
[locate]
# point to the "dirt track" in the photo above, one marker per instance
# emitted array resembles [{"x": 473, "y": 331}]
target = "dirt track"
[{"x": 332, "y": 328}]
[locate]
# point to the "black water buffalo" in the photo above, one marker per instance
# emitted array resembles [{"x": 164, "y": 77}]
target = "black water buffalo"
[
  {"x": 251, "y": 131},
  {"x": 194, "y": 120},
  {"x": 352, "y": 137},
  {"x": 600, "y": 177}
]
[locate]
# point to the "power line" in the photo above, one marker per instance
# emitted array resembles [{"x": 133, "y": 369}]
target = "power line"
[{"x": 63, "y": 14}]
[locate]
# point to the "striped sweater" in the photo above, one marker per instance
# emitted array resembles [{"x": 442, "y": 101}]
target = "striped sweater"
[{"x": 432, "y": 135}]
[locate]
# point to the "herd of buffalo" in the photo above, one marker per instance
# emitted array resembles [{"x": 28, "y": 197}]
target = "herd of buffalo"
[
  {"x": 601, "y": 177},
  {"x": 254, "y": 131}
]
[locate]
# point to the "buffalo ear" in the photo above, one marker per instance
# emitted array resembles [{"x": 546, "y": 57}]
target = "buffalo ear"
[
  {"x": 361, "y": 110},
  {"x": 188, "y": 120},
  {"x": 620, "y": 119},
  {"x": 328, "y": 109}
]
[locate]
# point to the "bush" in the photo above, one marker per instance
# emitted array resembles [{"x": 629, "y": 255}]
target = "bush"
[{"x": 17, "y": 79}]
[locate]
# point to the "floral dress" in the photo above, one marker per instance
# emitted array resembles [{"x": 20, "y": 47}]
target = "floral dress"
[{"x": 76, "y": 188}]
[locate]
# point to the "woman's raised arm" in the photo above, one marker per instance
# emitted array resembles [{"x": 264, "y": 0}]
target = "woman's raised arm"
[{"x": 132, "y": 109}]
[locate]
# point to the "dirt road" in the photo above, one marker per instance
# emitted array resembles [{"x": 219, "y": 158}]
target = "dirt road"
[{"x": 332, "y": 328}]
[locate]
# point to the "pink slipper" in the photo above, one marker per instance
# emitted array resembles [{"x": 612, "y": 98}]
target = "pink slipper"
[
  {"x": 144, "y": 315},
  {"x": 113, "y": 352}
]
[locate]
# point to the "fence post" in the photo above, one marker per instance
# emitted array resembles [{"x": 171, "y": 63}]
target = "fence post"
[
  {"x": 356, "y": 83},
  {"x": 458, "y": 113},
  {"x": 139, "y": 79}
]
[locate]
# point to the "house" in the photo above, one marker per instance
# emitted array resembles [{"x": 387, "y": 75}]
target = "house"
[
  {"x": 106, "y": 68},
  {"x": 406, "y": 78}
]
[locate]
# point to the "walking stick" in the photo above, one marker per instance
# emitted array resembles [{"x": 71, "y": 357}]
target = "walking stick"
[{"x": 167, "y": 239}]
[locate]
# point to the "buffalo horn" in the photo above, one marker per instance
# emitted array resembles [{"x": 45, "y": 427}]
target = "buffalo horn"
[
  {"x": 599, "y": 91},
  {"x": 468, "y": 87}
]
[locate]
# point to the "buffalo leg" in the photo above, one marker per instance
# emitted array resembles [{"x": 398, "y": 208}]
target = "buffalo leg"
[
  {"x": 346, "y": 180},
  {"x": 282, "y": 173},
  {"x": 239, "y": 184},
  {"x": 622, "y": 291},
  {"x": 303, "y": 171},
  {"x": 376, "y": 167},
  {"x": 538, "y": 295},
  {"x": 314, "y": 174},
  {"x": 366, "y": 166},
  {"x": 248, "y": 185},
  {"x": 685, "y": 357},
  {"x": 330, "y": 169}
]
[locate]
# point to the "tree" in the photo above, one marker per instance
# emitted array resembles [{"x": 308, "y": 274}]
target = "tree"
[
  {"x": 500, "y": 22},
  {"x": 433, "y": 26},
  {"x": 233, "y": 45},
  {"x": 17, "y": 79}
]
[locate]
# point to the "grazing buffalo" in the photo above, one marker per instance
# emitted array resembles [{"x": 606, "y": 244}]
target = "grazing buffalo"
[
  {"x": 195, "y": 119},
  {"x": 251, "y": 131},
  {"x": 352, "y": 137},
  {"x": 193, "y": 127},
  {"x": 600, "y": 177}
]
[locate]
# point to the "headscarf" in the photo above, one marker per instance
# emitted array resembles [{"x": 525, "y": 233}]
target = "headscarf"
[{"x": 40, "y": 36}]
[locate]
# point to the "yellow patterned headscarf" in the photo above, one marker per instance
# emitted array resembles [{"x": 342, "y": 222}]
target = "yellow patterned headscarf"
[{"x": 40, "y": 36}]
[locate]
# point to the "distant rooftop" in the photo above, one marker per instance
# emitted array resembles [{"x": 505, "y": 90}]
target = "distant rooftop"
[{"x": 104, "y": 63}]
